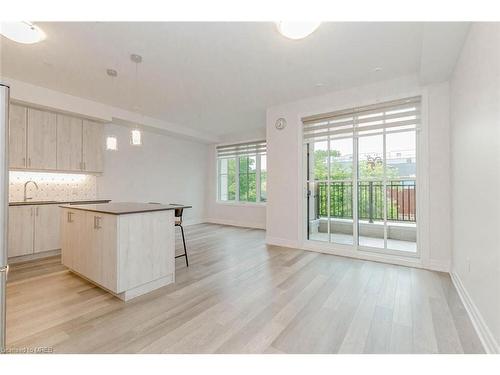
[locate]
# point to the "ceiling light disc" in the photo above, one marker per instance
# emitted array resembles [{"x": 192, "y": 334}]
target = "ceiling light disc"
[
  {"x": 22, "y": 32},
  {"x": 297, "y": 30}
]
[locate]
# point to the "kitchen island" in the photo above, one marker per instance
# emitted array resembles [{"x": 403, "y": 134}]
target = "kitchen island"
[{"x": 126, "y": 248}]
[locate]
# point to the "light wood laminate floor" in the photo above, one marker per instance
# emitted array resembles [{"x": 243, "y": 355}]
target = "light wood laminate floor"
[{"x": 241, "y": 296}]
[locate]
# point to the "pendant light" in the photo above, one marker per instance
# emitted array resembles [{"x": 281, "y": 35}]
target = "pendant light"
[
  {"x": 112, "y": 140},
  {"x": 135, "y": 134}
]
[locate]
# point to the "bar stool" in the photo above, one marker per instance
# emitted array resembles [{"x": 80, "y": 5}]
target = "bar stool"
[{"x": 178, "y": 223}]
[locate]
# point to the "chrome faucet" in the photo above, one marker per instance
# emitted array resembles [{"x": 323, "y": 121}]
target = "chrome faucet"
[{"x": 25, "y": 189}]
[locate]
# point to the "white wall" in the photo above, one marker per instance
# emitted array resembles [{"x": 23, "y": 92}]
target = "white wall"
[
  {"x": 171, "y": 167},
  {"x": 239, "y": 214},
  {"x": 475, "y": 178},
  {"x": 43, "y": 97},
  {"x": 164, "y": 169},
  {"x": 284, "y": 213}
]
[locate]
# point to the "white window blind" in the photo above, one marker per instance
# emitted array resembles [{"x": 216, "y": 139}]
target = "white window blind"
[
  {"x": 241, "y": 149},
  {"x": 393, "y": 116}
]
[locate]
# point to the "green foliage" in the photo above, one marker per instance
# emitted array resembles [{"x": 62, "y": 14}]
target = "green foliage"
[
  {"x": 341, "y": 192},
  {"x": 340, "y": 171},
  {"x": 247, "y": 176}
]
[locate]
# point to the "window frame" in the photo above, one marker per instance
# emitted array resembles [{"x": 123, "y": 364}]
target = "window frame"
[{"x": 258, "y": 187}]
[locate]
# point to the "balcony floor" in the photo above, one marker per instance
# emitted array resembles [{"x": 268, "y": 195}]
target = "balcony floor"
[{"x": 346, "y": 239}]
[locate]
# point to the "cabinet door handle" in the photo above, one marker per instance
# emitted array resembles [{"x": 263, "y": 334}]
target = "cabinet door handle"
[
  {"x": 24, "y": 162},
  {"x": 36, "y": 211},
  {"x": 29, "y": 162},
  {"x": 70, "y": 217},
  {"x": 97, "y": 222}
]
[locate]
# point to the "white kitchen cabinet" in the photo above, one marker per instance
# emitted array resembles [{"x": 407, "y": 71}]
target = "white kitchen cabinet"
[
  {"x": 92, "y": 146},
  {"x": 101, "y": 229},
  {"x": 72, "y": 239},
  {"x": 47, "y": 228},
  {"x": 127, "y": 254},
  {"x": 21, "y": 230},
  {"x": 44, "y": 140},
  {"x": 33, "y": 229},
  {"x": 41, "y": 139},
  {"x": 89, "y": 245},
  {"x": 69, "y": 143},
  {"x": 17, "y": 136}
]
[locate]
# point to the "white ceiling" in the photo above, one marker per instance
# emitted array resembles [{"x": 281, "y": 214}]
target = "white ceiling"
[{"x": 220, "y": 77}]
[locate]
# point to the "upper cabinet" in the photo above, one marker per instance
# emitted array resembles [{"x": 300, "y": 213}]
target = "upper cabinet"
[
  {"x": 43, "y": 140},
  {"x": 69, "y": 143},
  {"x": 93, "y": 143},
  {"x": 18, "y": 123},
  {"x": 42, "y": 133}
]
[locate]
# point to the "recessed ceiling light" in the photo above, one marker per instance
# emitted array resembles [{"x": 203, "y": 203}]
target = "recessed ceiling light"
[
  {"x": 377, "y": 69},
  {"x": 319, "y": 84},
  {"x": 22, "y": 32},
  {"x": 296, "y": 30}
]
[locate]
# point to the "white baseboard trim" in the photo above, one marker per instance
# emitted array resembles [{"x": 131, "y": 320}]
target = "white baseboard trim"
[
  {"x": 485, "y": 335},
  {"x": 276, "y": 241},
  {"x": 236, "y": 223},
  {"x": 364, "y": 255},
  {"x": 437, "y": 265}
]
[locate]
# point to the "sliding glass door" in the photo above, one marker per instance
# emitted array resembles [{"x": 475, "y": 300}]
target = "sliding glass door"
[{"x": 361, "y": 177}]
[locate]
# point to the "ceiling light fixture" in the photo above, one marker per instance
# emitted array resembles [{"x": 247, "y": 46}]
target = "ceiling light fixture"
[
  {"x": 111, "y": 143},
  {"x": 296, "y": 30},
  {"x": 111, "y": 72},
  {"x": 135, "y": 137},
  {"x": 135, "y": 134},
  {"x": 22, "y": 32}
]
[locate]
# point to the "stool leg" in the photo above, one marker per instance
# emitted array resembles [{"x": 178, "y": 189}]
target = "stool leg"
[{"x": 185, "y": 250}]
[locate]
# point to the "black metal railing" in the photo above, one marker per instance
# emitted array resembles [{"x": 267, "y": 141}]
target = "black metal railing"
[{"x": 400, "y": 196}]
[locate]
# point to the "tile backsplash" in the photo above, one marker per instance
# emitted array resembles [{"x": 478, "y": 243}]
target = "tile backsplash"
[{"x": 52, "y": 186}]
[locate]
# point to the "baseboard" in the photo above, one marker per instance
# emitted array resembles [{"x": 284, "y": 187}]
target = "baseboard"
[
  {"x": 435, "y": 265},
  {"x": 26, "y": 258},
  {"x": 485, "y": 335},
  {"x": 276, "y": 241},
  {"x": 236, "y": 223}
]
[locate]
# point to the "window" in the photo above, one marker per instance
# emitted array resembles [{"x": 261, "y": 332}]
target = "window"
[
  {"x": 242, "y": 172},
  {"x": 361, "y": 176}
]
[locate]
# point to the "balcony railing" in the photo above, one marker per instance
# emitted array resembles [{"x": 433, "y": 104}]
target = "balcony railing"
[{"x": 400, "y": 198}]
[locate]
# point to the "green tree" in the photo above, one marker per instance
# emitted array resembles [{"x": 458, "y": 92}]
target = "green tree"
[
  {"x": 370, "y": 168},
  {"x": 247, "y": 176}
]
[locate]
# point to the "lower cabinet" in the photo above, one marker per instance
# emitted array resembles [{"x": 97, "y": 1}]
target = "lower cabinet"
[
  {"x": 21, "y": 227},
  {"x": 33, "y": 229},
  {"x": 129, "y": 254},
  {"x": 89, "y": 243},
  {"x": 47, "y": 228}
]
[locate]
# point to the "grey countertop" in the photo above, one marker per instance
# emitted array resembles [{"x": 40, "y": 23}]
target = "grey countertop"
[
  {"x": 31, "y": 203},
  {"x": 122, "y": 208}
]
